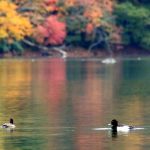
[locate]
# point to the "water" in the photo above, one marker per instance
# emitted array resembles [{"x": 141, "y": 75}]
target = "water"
[{"x": 57, "y": 104}]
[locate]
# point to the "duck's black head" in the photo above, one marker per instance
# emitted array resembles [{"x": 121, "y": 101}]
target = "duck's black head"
[
  {"x": 114, "y": 124},
  {"x": 11, "y": 121}
]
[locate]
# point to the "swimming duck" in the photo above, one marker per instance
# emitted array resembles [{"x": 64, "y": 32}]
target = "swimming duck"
[
  {"x": 9, "y": 125},
  {"x": 116, "y": 127}
]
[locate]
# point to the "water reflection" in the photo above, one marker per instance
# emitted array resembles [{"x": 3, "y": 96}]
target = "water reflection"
[{"x": 56, "y": 103}]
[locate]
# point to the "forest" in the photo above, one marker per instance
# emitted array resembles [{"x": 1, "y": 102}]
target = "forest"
[{"x": 89, "y": 24}]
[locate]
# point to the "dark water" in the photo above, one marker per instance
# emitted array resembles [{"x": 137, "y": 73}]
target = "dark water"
[{"x": 57, "y": 104}]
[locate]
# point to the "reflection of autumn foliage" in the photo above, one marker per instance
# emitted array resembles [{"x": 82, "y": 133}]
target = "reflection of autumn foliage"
[
  {"x": 89, "y": 141},
  {"x": 57, "y": 80},
  {"x": 51, "y": 32},
  {"x": 15, "y": 81},
  {"x": 52, "y": 81}
]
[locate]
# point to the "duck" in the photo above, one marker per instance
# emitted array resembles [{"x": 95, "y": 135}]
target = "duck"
[
  {"x": 9, "y": 125},
  {"x": 117, "y": 127}
]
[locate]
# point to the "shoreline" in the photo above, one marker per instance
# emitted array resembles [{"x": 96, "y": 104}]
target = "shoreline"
[{"x": 82, "y": 53}]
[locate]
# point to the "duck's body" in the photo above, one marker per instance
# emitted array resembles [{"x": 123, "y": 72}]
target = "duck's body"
[
  {"x": 116, "y": 127},
  {"x": 124, "y": 128},
  {"x": 9, "y": 125}
]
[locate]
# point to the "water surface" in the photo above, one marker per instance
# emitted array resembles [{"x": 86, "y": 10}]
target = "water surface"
[{"x": 56, "y": 104}]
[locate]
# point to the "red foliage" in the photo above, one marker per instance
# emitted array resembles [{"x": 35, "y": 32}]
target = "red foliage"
[
  {"x": 49, "y": 2},
  {"x": 52, "y": 31}
]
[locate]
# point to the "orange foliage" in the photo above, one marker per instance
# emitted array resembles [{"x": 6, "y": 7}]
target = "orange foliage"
[
  {"x": 94, "y": 9},
  {"x": 70, "y": 3},
  {"x": 94, "y": 15},
  {"x": 89, "y": 28},
  {"x": 50, "y": 5}
]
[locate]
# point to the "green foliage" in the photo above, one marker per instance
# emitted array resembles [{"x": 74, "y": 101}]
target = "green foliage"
[
  {"x": 135, "y": 21},
  {"x": 73, "y": 39},
  {"x": 77, "y": 10},
  {"x": 76, "y": 24},
  {"x": 135, "y": 1},
  {"x": 4, "y": 46},
  {"x": 16, "y": 47}
]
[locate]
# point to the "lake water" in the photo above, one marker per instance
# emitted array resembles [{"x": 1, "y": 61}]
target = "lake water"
[{"x": 58, "y": 104}]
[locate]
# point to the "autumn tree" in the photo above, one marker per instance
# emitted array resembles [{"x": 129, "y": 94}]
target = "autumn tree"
[
  {"x": 81, "y": 18},
  {"x": 84, "y": 19},
  {"x": 13, "y": 26},
  {"x": 79, "y": 22},
  {"x": 52, "y": 31}
]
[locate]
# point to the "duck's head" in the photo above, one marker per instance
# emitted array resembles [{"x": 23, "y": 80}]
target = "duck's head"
[
  {"x": 114, "y": 124},
  {"x": 11, "y": 121}
]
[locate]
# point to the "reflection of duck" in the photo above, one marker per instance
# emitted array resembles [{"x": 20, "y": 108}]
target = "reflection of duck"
[
  {"x": 9, "y": 125},
  {"x": 116, "y": 127}
]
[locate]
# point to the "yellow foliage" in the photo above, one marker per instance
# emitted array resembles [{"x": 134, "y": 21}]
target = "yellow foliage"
[{"x": 12, "y": 24}]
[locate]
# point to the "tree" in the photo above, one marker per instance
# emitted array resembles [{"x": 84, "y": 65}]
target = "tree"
[
  {"x": 52, "y": 31},
  {"x": 83, "y": 18},
  {"x": 13, "y": 26},
  {"x": 136, "y": 24},
  {"x": 58, "y": 21},
  {"x": 138, "y": 2}
]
